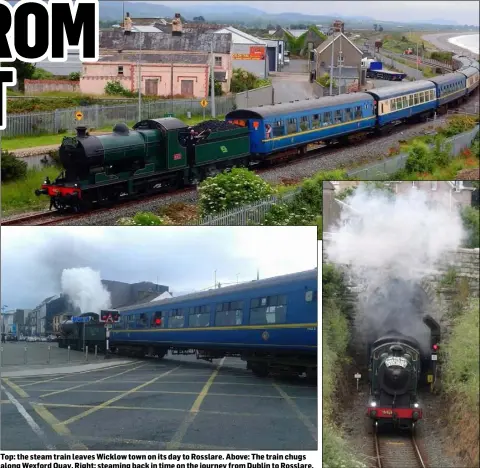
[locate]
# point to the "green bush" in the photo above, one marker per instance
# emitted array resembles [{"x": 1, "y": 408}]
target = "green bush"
[
  {"x": 243, "y": 80},
  {"x": 458, "y": 124},
  {"x": 143, "y": 218},
  {"x": 419, "y": 158},
  {"x": 230, "y": 190},
  {"x": 74, "y": 76},
  {"x": 13, "y": 168},
  {"x": 471, "y": 224},
  {"x": 115, "y": 88}
]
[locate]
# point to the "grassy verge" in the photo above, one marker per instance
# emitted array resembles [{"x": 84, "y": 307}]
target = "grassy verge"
[
  {"x": 16, "y": 143},
  {"x": 461, "y": 382},
  {"x": 336, "y": 336},
  {"x": 20, "y": 196}
]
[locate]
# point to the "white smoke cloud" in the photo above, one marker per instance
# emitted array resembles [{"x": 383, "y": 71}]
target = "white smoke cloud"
[
  {"x": 390, "y": 243},
  {"x": 85, "y": 289}
]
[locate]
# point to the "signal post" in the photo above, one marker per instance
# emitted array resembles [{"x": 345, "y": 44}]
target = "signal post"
[{"x": 109, "y": 317}]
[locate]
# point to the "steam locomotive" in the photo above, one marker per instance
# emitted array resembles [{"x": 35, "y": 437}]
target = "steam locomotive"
[
  {"x": 395, "y": 375},
  {"x": 79, "y": 336}
]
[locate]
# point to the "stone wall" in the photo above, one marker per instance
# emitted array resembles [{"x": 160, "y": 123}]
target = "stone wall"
[{"x": 41, "y": 86}]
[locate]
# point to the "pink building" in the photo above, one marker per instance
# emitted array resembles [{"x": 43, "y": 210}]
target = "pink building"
[
  {"x": 161, "y": 74},
  {"x": 170, "y": 64}
]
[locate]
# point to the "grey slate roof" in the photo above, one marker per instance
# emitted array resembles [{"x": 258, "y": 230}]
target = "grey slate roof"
[
  {"x": 187, "y": 42},
  {"x": 299, "y": 106},
  {"x": 193, "y": 59},
  {"x": 305, "y": 275}
]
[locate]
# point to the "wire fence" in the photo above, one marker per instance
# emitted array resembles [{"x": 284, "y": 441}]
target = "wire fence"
[
  {"x": 99, "y": 116},
  {"x": 392, "y": 165},
  {"x": 252, "y": 214}
]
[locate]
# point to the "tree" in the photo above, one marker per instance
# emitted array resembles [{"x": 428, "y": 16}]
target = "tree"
[
  {"x": 375, "y": 27},
  {"x": 25, "y": 71},
  {"x": 199, "y": 19},
  {"x": 380, "y": 28}
]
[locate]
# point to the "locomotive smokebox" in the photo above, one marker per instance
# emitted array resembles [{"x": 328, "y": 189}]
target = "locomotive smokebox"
[
  {"x": 67, "y": 327},
  {"x": 81, "y": 132}
]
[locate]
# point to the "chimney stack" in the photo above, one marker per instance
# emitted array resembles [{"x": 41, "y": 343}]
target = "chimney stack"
[{"x": 177, "y": 25}]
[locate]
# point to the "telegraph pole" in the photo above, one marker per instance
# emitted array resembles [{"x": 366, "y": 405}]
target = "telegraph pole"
[
  {"x": 140, "y": 80},
  {"x": 331, "y": 65},
  {"x": 213, "y": 82}
]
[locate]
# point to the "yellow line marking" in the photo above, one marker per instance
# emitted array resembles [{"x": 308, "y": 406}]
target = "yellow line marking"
[
  {"x": 87, "y": 383},
  {"x": 67, "y": 375},
  {"x": 113, "y": 400},
  {"x": 58, "y": 427},
  {"x": 311, "y": 427},
  {"x": 15, "y": 388},
  {"x": 178, "y": 410},
  {"x": 176, "y": 441},
  {"x": 155, "y": 443}
]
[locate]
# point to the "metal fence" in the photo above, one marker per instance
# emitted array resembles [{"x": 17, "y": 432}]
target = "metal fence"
[
  {"x": 392, "y": 165},
  {"x": 98, "y": 116},
  {"x": 253, "y": 214}
]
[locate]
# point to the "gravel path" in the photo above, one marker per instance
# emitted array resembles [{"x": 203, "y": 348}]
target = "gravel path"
[{"x": 431, "y": 432}]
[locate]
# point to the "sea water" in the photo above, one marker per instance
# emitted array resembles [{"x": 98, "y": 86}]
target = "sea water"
[{"x": 469, "y": 42}]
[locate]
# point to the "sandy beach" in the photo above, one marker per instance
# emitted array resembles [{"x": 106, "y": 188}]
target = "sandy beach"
[{"x": 441, "y": 41}]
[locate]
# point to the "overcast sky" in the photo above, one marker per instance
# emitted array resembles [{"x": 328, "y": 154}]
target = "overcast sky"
[
  {"x": 462, "y": 12},
  {"x": 184, "y": 259}
]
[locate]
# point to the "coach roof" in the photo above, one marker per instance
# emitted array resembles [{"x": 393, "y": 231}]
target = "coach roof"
[
  {"x": 304, "y": 275},
  {"x": 299, "y": 106},
  {"x": 401, "y": 89}
]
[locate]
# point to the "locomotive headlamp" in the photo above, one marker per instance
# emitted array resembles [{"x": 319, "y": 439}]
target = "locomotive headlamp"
[
  {"x": 373, "y": 404},
  {"x": 416, "y": 405}
]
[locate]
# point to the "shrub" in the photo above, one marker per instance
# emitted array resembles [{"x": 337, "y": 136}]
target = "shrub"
[
  {"x": 458, "y": 124},
  {"x": 243, "y": 80},
  {"x": 115, "y": 88},
  {"x": 231, "y": 189},
  {"x": 13, "y": 168},
  {"x": 471, "y": 224},
  {"x": 143, "y": 218},
  {"x": 419, "y": 158},
  {"x": 74, "y": 76}
]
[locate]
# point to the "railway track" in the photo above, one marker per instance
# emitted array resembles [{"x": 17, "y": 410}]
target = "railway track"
[{"x": 397, "y": 451}]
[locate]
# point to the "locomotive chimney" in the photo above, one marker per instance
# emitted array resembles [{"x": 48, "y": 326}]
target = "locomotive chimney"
[
  {"x": 81, "y": 132},
  {"x": 177, "y": 27}
]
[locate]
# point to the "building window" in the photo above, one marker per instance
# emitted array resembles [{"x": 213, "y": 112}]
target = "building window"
[
  {"x": 120, "y": 70},
  {"x": 218, "y": 61},
  {"x": 268, "y": 310}
]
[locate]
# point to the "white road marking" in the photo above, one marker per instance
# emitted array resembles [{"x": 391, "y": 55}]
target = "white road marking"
[{"x": 35, "y": 427}]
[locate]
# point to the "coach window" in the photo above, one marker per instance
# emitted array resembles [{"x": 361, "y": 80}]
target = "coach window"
[
  {"x": 338, "y": 116},
  {"x": 416, "y": 98},
  {"x": 266, "y": 310},
  {"x": 291, "y": 126},
  {"x": 358, "y": 112},
  {"x": 131, "y": 321},
  {"x": 278, "y": 128},
  {"x": 348, "y": 114},
  {"x": 199, "y": 316},
  {"x": 176, "y": 318},
  {"x": 304, "y": 124},
  {"x": 405, "y": 101},
  {"x": 410, "y": 100},
  {"x": 311, "y": 296},
  {"x": 142, "y": 320},
  {"x": 315, "y": 120},
  {"x": 399, "y": 103},
  {"x": 229, "y": 313},
  {"x": 327, "y": 119},
  {"x": 393, "y": 104},
  {"x": 422, "y": 97},
  {"x": 432, "y": 94}
]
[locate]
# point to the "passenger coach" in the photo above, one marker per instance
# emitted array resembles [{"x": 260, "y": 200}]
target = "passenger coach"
[
  {"x": 450, "y": 88},
  {"x": 296, "y": 124},
  {"x": 268, "y": 323},
  {"x": 404, "y": 100}
]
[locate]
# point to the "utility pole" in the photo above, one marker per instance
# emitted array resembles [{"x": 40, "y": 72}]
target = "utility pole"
[
  {"x": 418, "y": 58},
  {"x": 331, "y": 65},
  {"x": 340, "y": 60},
  {"x": 140, "y": 79},
  {"x": 213, "y": 82}
]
